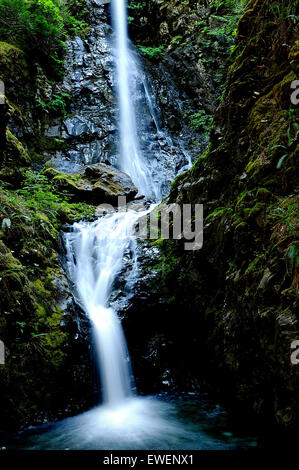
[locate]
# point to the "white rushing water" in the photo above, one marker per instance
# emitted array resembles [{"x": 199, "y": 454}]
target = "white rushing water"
[
  {"x": 95, "y": 250},
  {"x": 94, "y": 259},
  {"x": 132, "y": 161}
]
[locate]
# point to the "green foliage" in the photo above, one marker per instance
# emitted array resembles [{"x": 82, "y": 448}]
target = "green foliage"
[
  {"x": 286, "y": 214},
  {"x": 152, "y": 52},
  {"x": 284, "y": 10},
  {"x": 176, "y": 39},
  {"x": 37, "y": 191},
  {"x": 218, "y": 213},
  {"x": 30, "y": 321},
  {"x": 34, "y": 25},
  {"x": 294, "y": 255},
  {"x": 292, "y": 139},
  {"x": 235, "y": 5},
  {"x": 39, "y": 194},
  {"x": 56, "y": 106},
  {"x": 40, "y": 27},
  {"x": 285, "y": 232},
  {"x": 223, "y": 33},
  {"x": 136, "y": 5},
  {"x": 134, "y": 8},
  {"x": 216, "y": 37},
  {"x": 201, "y": 121},
  {"x": 75, "y": 15}
]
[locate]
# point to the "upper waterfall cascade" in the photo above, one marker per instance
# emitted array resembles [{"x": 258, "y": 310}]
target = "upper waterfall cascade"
[{"x": 131, "y": 159}]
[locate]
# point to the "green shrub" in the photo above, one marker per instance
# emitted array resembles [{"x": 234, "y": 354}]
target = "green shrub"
[
  {"x": 40, "y": 27},
  {"x": 201, "y": 121},
  {"x": 34, "y": 25},
  {"x": 56, "y": 106},
  {"x": 40, "y": 195},
  {"x": 75, "y": 15},
  {"x": 152, "y": 51},
  {"x": 284, "y": 10},
  {"x": 233, "y": 5}
]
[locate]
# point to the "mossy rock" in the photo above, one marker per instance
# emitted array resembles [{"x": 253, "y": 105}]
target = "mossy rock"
[
  {"x": 98, "y": 183},
  {"x": 14, "y": 160},
  {"x": 247, "y": 270},
  {"x": 12, "y": 62},
  {"x": 16, "y": 153},
  {"x": 32, "y": 325},
  {"x": 11, "y": 270}
]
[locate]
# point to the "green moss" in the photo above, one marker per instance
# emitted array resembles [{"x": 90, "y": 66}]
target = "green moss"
[
  {"x": 12, "y": 61},
  {"x": 16, "y": 154},
  {"x": 43, "y": 144},
  {"x": 252, "y": 212},
  {"x": 219, "y": 212},
  {"x": 202, "y": 160},
  {"x": 11, "y": 271},
  {"x": 247, "y": 270},
  {"x": 255, "y": 266},
  {"x": 45, "y": 202},
  {"x": 264, "y": 194},
  {"x": 61, "y": 180},
  {"x": 30, "y": 321}
]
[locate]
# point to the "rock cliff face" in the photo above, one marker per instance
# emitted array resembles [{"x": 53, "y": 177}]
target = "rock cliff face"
[
  {"x": 88, "y": 132},
  {"x": 230, "y": 308},
  {"x": 186, "y": 46}
]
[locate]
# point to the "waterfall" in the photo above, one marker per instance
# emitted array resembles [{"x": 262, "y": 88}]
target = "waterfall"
[
  {"x": 132, "y": 161},
  {"x": 94, "y": 259},
  {"x": 95, "y": 250}
]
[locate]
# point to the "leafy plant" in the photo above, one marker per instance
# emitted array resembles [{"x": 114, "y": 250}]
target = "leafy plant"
[
  {"x": 176, "y": 39},
  {"x": 151, "y": 52},
  {"x": 40, "y": 195},
  {"x": 234, "y": 5},
  {"x": 37, "y": 26},
  {"x": 283, "y": 10},
  {"x": 286, "y": 216},
  {"x": 40, "y": 27},
  {"x": 201, "y": 121},
  {"x": 292, "y": 136},
  {"x": 294, "y": 254},
  {"x": 57, "y": 105},
  {"x": 218, "y": 213},
  {"x": 75, "y": 15}
]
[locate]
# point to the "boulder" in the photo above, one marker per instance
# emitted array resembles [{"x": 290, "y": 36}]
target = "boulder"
[{"x": 96, "y": 184}]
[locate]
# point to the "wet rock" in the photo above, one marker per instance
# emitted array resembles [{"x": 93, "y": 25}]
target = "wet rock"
[
  {"x": 98, "y": 183},
  {"x": 89, "y": 80}
]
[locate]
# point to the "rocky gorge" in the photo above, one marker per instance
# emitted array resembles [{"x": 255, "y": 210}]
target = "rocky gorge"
[{"x": 218, "y": 75}]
